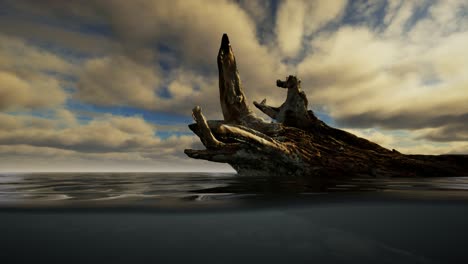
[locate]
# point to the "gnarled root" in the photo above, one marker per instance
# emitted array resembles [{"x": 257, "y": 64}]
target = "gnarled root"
[{"x": 245, "y": 149}]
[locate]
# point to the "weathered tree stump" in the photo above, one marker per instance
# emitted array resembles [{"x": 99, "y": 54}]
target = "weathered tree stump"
[{"x": 298, "y": 143}]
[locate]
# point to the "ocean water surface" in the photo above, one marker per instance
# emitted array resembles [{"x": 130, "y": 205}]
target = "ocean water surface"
[
  {"x": 173, "y": 190},
  {"x": 225, "y": 218}
]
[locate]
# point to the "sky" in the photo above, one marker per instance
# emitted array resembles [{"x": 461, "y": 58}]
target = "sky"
[{"x": 109, "y": 85}]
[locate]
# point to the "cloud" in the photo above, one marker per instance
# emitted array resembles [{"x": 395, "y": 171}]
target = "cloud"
[
  {"x": 289, "y": 27},
  {"x": 385, "y": 140},
  {"x": 26, "y": 76},
  {"x": 456, "y": 131},
  {"x": 60, "y": 38},
  {"x": 112, "y": 134},
  {"x": 319, "y": 13},
  {"x": 257, "y": 9},
  {"x": 17, "y": 93},
  {"x": 139, "y": 62},
  {"x": 367, "y": 78},
  {"x": 298, "y": 19},
  {"x": 367, "y": 12},
  {"x": 18, "y": 55},
  {"x": 423, "y": 141},
  {"x": 347, "y": 65},
  {"x": 191, "y": 33},
  {"x": 375, "y": 67},
  {"x": 118, "y": 80},
  {"x": 398, "y": 15},
  {"x": 107, "y": 142},
  {"x": 65, "y": 118},
  {"x": 26, "y": 158},
  {"x": 443, "y": 18},
  {"x": 429, "y": 148},
  {"x": 174, "y": 49},
  {"x": 105, "y": 134},
  {"x": 191, "y": 29},
  {"x": 391, "y": 71}
]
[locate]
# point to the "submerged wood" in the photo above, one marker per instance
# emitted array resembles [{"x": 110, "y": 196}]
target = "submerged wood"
[{"x": 298, "y": 143}]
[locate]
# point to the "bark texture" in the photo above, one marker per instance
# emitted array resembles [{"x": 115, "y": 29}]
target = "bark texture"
[{"x": 298, "y": 143}]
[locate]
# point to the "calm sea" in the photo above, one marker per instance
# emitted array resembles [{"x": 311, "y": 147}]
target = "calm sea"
[
  {"x": 173, "y": 190},
  {"x": 225, "y": 218}
]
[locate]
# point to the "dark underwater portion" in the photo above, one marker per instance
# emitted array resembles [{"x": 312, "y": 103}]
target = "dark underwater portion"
[{"x": 224, "y": 218}]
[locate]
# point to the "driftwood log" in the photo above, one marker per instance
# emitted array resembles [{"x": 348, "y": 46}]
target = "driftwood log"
[{"x": 298, "y": 143}]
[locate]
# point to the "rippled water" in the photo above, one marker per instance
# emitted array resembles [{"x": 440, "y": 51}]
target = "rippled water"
[
  {"x": 158, "y": 188},
  {"x": 224, "y": 218}
]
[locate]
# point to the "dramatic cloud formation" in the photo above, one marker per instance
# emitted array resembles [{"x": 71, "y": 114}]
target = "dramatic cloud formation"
[
  {"x": 24, "y": 80},
  {"x": 108, "y": 138},
  {"x": 110, "y": 84},
  {"x": 393, "y": 77},
  {"x": 298, "y": 19},
  {"x": 106, "y": 81}
]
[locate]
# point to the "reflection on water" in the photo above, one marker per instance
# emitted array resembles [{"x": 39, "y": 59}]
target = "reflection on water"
[
  {"x": 146, "y": 188},
  {"x": 299, "y": 220}
]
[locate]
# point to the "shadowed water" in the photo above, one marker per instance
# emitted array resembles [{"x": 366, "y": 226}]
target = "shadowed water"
[
  {"x": 224, "y": 218},
  {"x": 153, "y": 189},
  {"x": 134, "y": 189}
]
